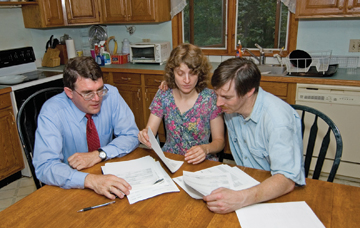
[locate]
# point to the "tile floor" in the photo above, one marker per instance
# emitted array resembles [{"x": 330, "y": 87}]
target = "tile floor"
[
  {"x": 15, "y": 191},
  {"x": 18, "y": 189}
]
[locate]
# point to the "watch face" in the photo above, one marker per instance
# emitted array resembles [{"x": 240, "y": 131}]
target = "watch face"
[{"x": 102, "y": 155}]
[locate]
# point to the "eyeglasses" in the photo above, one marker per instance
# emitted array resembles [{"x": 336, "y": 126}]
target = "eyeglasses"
[{"x": 91, "y": 95}]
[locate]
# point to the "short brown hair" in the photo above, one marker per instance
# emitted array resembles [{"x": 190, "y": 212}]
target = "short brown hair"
[
  {"x": 242, "y": 71},
  {"x": 84, "y": 66},
  {"x": 193, "y": 57}
]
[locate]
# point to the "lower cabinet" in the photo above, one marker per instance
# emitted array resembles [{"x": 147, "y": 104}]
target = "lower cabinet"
[
  {"x": 284, "y": 90},
  {"x": 11, "y": 159},
  {"x": 138, "y": 90}
]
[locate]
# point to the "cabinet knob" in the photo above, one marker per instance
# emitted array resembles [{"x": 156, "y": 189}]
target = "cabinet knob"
[
  {"x": 138, "y": 94},
  {"x": 125, "y": 79}
]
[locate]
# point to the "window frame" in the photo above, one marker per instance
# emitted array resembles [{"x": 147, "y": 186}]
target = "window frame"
[{"x": 177, "y": 34}]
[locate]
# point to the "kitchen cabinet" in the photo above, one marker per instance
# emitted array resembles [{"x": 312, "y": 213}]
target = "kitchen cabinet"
[
  {"x": 11, "y": 159},
  {"x": 284, "y": 90},
  {"x": 50, "y": 13},
  {"x": 327, "y": 8},
  {"x": 138, "y": 91},
  {"x": 135, "y": 11}
]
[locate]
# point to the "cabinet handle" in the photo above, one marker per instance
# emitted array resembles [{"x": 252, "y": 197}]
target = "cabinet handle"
[
  {"x": 125, "y": 79},
  {"x": 146, "y": 97},
  {"x": 158, "y": 81},
  {"x": 138, "y": 94}
]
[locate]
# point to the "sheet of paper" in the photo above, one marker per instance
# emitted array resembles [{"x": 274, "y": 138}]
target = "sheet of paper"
[
  {"x": 278, "y": 215},
  {"x": 142, "y": 174},
  {"x": 173, "y": 165},
  {"x": 206, "y": 183},
  {"x": 240, "y": 180}
]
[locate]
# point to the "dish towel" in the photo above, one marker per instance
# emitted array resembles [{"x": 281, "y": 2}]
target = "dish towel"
[
  {"x": 177, "y": 6},
  {"x": 92, "y": 136},
  {"x": 291, "y": 4}
]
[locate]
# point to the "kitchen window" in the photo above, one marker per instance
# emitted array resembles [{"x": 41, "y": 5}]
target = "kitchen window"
[{"x": 217, "y": 25}]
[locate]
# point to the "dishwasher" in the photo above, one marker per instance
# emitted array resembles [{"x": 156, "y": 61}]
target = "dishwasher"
[{"x": 342, "y": 105}]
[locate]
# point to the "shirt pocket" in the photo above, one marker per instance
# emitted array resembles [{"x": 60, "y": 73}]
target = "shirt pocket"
[{"x": 260, "y": 154}]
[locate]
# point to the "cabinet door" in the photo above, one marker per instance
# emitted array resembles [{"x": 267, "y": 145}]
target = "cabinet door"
[
  {"x": 141, "y": 10},
  {"x": 53, "y": 12},
  {"x": 114, "y": 10},
  {"x": 353, "y": 7},
  {"x": 149, "y": 96},
  {"x": 82, "y": 11},
  {"x": 313, "y": 8},
  {"x": 10, "y": 151},
  {"x": 132, "y": 96}
]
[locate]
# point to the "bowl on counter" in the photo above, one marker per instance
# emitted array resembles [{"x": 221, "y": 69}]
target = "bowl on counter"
[{"x": 300, "y": 59}]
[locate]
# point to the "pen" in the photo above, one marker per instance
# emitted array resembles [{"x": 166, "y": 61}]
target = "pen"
[
  {"x": 159, "y": 181},
  {"x": 93, "y": 207}
]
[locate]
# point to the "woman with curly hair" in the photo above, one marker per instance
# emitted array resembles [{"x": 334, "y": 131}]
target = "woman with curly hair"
[{"x": 188, "y": 108}]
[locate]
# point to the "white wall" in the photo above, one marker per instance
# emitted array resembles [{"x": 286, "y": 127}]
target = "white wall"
[{"x": 331, "y": 34}]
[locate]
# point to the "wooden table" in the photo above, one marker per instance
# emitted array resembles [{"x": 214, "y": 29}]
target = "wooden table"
[{"x": 335, "y": 205}]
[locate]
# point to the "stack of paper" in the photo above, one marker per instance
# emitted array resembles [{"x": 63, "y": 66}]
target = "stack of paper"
[
  {"x": 146, "y": 177},
  {"x": 203, "y": 182}
]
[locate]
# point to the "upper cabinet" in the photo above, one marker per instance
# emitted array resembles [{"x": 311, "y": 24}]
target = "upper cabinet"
[
  {"x": 327, "y": 8},
  {"x": 135, "y": 11},
  {"x": 82, "y": 11},
  {"x": 56, "y": 13}
]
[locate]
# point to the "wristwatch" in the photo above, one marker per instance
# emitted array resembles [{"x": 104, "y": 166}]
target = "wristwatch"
[{"x": 102, "y": 154}]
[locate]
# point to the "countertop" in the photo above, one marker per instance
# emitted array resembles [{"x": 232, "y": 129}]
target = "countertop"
[{"x": 345, "y": 77}]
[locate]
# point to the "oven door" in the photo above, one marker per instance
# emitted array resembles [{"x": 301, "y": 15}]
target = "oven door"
[{"x": 142, "y": 53}]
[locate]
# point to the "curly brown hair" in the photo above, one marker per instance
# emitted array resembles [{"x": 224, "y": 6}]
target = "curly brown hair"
[{"x": 193, "y": 57}]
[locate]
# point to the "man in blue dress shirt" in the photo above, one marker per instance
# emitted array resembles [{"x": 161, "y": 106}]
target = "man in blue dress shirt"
[
  {"x": 61, "y": 147},
  {"x": 264, "y": 133}
]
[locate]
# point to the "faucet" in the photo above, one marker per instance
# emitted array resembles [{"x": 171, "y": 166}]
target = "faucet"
[{"x": 260, "y": 59}]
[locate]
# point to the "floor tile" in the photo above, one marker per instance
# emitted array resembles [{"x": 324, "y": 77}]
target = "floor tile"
[
  {"x": 8, "y": 194},
  {"x": 26, "y": 181},
  {"x": 26, "y": 190}
]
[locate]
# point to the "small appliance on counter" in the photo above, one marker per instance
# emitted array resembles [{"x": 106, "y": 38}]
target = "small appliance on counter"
[{"x": 150, "y": 52}]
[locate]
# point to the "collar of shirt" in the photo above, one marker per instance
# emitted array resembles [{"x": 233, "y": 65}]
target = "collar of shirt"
[{"x": 256, "y": 112}]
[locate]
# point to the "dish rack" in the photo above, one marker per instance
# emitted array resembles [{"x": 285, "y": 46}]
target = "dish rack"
[{"x": 319, "y": 59}]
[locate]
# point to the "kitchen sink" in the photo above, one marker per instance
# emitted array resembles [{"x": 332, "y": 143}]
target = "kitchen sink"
[{"x": 272, "y": 69}]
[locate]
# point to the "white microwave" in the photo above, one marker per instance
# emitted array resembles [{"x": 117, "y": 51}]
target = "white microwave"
[{"x": 150, "y": 52}]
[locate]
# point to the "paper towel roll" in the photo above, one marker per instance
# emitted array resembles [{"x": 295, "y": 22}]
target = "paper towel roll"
[{"x": 70, "y": 47}]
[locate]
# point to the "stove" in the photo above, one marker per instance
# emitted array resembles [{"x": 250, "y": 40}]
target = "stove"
[{"x": 18, "y": 69}]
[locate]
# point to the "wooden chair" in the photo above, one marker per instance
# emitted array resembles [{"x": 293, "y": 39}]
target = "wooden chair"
[
  {"x": 26, "y": 121},
  {"x": 324, "y": 143}
]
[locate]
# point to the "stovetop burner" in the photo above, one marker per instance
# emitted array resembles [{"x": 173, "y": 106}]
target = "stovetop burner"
[{"x": 34, "y": 75}]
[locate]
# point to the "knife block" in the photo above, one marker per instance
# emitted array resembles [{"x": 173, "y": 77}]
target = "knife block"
[
  {"x": 63, "y": 53},
  {"x": 51, "y": 58}
]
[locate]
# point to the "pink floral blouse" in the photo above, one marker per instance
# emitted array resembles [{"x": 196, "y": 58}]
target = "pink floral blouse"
[{"x": 190, "y": 128}]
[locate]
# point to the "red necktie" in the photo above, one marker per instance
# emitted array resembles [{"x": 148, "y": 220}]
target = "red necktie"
[{"x": 92, "y": 136}]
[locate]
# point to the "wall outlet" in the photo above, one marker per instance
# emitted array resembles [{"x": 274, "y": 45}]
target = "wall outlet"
[{"x": 354, "y": 45}]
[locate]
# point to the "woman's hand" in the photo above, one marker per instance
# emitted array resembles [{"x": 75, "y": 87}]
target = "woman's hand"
[
  {"x": 196, "y": 154},
  {"x": 144, "y": 137}
]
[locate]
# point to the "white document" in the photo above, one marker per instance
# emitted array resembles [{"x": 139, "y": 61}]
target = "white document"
[
  {"x": 206, "y": 183},
  {"x": 142, "y": 174},
  {"x": 278, "y": 215},
  {"x": 240, "y": 180},
  {"x": 173, "y": 165}
]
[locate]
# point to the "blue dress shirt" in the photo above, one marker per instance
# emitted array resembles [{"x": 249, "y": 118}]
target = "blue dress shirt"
[
  {"x": 61, "y": 132},
  {"x": 269, "y": 139}
]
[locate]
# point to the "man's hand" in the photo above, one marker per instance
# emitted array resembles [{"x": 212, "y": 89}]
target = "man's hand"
[
  {"x": 224, "y": 200},
  {"x": 107, "y": 185},
  {"x": 163, "y": 86},
  {"x": 196, "y": 154},
  {"x": 81, "y": 161},
  {"x": 144, "y": 137}
]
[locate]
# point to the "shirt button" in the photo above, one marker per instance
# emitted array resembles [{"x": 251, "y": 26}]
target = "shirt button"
[
  {"x": 244, "y": 141},
  {"x": 245, "y": 157}
]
